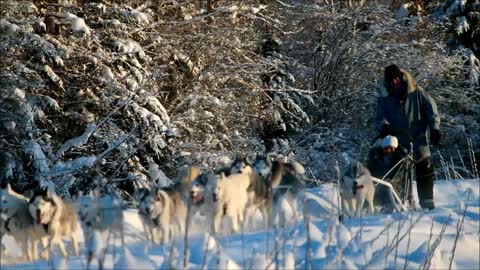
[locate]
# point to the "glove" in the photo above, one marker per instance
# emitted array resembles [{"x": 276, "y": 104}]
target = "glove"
[
  {"x": 385, "y": 130},
  {"x": 435, "y": 136}
]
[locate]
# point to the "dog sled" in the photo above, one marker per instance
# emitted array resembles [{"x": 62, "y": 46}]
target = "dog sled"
[{"x": 400, "y": 188}]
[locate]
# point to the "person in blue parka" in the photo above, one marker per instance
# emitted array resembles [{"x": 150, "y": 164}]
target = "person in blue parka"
[{"x": 406, "y": 111}]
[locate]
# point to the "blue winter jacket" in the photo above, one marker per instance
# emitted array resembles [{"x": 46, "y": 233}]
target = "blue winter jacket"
[{"x": 410, "y": 119}]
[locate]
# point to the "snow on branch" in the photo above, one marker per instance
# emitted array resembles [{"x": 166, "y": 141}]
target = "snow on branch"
[
  {"x": 77, "y": 24},
  {"x": 76, "y": 141},
  {"x": 61, "y": 168},
  {"x": 475, "y": 71},
  {"x": 158, "y": 176},
  {"x": 39, "y": 161},
  {"x": 462, "y": 26}
]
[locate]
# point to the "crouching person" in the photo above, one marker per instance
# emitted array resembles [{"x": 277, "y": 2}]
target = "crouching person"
[{"x": 385, "y": 154}]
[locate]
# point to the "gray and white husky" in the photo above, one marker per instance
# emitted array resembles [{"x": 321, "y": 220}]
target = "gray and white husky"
[
  {"x": 163, "y": 213},
  {"x": 17, "y": 222},
  {"x": 356, "y": 187},
  {"x": 276, "y": 181},
  {"x": 57, "y": 217},
  {"x": 241, "y": 165}
]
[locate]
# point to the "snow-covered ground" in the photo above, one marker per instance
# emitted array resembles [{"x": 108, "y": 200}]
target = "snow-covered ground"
[{"x": 359, "y": 243}]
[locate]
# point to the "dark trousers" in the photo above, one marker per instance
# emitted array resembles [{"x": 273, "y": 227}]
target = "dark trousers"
[{"x": 424, "y": 172}]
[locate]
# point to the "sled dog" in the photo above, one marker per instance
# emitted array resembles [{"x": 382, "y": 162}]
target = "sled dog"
[
  {"x": 157, "y": 209},
  {"x": 96, "y": 214},
  {"x": 291, "y": 185},
  {"x": 57, "y": 217},
  {"x": 144, "y": 214},
  {"x": 356, "y": 187},
  {"x": 241, "y": 165},
  {"x": 275, "y": 181},
  {"x": 201, "y": 198},
  {"x": 155, "y": 204},
  {"x": 231, "y": 199},
  {"x": 17, "y": 222}
]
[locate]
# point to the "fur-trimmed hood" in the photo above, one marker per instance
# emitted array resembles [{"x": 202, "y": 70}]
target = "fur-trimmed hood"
[{"x": 407, "y": 77}]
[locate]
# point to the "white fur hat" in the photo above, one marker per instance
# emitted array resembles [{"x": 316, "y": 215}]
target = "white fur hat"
[{"x": 390, "y": 141}]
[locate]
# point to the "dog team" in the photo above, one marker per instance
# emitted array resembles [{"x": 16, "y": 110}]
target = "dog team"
[{"x": 235, "y": 192}]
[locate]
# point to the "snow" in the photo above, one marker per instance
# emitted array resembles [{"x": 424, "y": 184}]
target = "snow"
[
  {"x": 359, "y": 243},
  {"x": 128, "y": 46},
  {"x": 61, "y": 168},
  {"x": 475, "y": 67},
  {"x": 52, "y": 75},
  {"x": 18, "y": 94},
  {"x": 463, "y": 25},
  {"x": 158, "y": 176},
  {"x": 77, "y": 24},
  {"x": 140, "y": 17},
  {"x": 75, "y": 142},
  {"x": 8, "y": 27},
  {"x": 33, "y": 149}
]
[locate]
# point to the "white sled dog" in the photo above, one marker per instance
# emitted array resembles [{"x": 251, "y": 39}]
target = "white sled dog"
[
  {"x": 202, "y": 189},
  {"x": 356, "y": 187},
  {"x": 231, "y": 200},
  {"x": 58, "y": 218},
  {"x": 17, "y": 222},
  {"x": 99, "y": 214}
]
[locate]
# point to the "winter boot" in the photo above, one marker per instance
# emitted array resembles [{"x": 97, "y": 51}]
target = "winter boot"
[{"x": 425, "y": 173}]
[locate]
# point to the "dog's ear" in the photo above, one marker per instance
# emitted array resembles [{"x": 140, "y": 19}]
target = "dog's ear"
[
  {"x": 248, "y": 160},
  {"x": 49, "y": 192},
  {"x": 159, "y": 196},
  {"x": 358, "y": 165}
]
